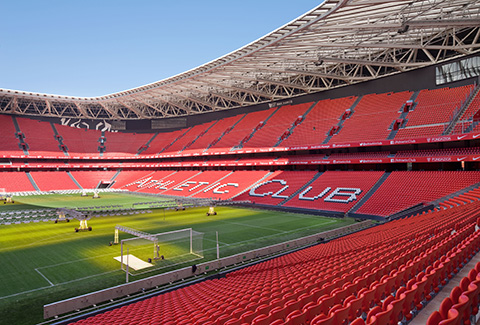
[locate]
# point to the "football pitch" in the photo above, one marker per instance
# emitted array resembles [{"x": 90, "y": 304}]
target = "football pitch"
[
  {"x": 44, "y": 262},
  {"x": 125, "y": 200}
]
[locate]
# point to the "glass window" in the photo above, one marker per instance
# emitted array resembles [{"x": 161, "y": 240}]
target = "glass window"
[{"x": 459, "y": 70}]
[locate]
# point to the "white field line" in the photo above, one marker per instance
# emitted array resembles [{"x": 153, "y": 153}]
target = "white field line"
[
  {"x": 74, "y": 261},
  {"x": 251, "y": 226},
  {"x": 67, "y": 282},
  {"x": 35, "y": 242},
  {"x": 304, "y": 216},
  {"x": 273, "y": 235},
  {"x": 214, "y": 241},
  {"x": 24, "y": 292},
  {"x": 43, "y": 276},
  {"x": 87, "y": 277}
]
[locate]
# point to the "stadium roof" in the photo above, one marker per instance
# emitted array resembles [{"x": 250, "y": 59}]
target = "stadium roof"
[{"x": 341, "y": 42}]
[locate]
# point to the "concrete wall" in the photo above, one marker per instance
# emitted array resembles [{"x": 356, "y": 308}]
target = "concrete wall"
[{"x": 98, "y": 297}]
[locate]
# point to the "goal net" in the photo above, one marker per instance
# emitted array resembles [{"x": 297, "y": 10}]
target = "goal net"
[{"x": 164, "y": 249}]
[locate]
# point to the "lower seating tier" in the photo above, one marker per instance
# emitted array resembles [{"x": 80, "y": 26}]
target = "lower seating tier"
[
  {"x": 50, "y": 181},
  {"x": 336, "y": 191},
  {"x": 15, "y": 182},
  {"x": 387, "y": 273}
]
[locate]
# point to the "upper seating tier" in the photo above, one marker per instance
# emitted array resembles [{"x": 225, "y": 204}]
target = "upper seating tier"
[
  {"x": 39, "y": 136},
  {"x": 298, "y": 125},
  {"x": 242, "y": 129},
  {"x": 9, "y": 142},
  {"x": 313, "y": 130},
  {"x": 192, "y": 135},
  {"x": 214, "y": 133},
  {"x": 437, "y": 105},
  {"x": 80, "y": 141},
  {"x": 162, "y": 141},
  {"x": 372, "y": 117},
  {"x": 277, "y": 124},
  {"x": 124, "y": 144}
]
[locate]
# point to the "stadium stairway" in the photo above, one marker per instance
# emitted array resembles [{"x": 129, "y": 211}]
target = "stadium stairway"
[
  {"x": 198, "y": 136},
  {"x": 179, "y": 137},
  {"x": 249, "y": 187},
  {"x": 441, "y": 202},
  {"x": 294, "y": 125},
  {"x": 212, "y": 185},
  {"x": 403, "y": 116},
  {"x": 367, "y": 196},
  {"x": 314, "y": 178},
  {"x": 21, "y": 140},
  {"x": 59, "y": 138},
  {"x": 74, "y": 180},
  {"x": 112, "y": 180},
  {"x": 240, "y": 145},
  {"x": 472, "y": 127},
  {"x": 30, "y": 178},
  {"x": 462, "y": 110},
  {"x": 101, "y": 147},
  {"x": 146, "y": 145},
  {"x": 225, "y": 132},
  {"x": 340, "y": 123},
  {"x": 179, "y": 182},
  {"x": 435, "y": 304}
]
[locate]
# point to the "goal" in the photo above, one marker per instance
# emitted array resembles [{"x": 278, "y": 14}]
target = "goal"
[{"x": 162, "y": 249}]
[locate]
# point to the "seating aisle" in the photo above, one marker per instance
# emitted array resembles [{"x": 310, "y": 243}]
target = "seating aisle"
[{"x": 434, "y": 304}]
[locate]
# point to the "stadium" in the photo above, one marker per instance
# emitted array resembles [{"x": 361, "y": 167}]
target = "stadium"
[{"x": 325, "y": 173}]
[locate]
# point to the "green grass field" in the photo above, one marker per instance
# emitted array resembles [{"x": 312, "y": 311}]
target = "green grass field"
[
  {"x": 77, "y": 201},
  {"x": 44, "y": 262}
]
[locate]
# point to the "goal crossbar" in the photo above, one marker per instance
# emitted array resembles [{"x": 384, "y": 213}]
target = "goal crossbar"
[{"x": 137, "y": 233}]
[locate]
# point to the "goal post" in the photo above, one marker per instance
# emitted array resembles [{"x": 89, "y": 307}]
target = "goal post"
[{"x": 172, "y": 247}]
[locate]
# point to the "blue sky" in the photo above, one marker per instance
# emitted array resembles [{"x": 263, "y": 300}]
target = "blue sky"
[{"x": 93, "y": 48}]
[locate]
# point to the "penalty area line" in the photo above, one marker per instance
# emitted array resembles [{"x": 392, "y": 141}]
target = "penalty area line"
[
  {"x": 24, "y": 292},
  {"x": 43, "y": 276},
  {"x": 251, "y": 226},
  {"x": 58, "y": 284},
  {"x": 214, "y": 241}
]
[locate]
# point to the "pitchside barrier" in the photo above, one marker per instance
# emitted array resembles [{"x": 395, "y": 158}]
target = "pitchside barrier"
[{"x": 98, "y": 297}]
